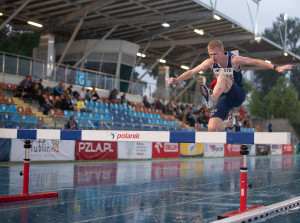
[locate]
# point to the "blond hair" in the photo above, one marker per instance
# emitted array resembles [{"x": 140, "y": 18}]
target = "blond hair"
[{"x": 215, "y": 44}]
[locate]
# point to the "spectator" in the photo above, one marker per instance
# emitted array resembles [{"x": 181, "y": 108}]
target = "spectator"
[
  {"x": 71, "y": 124},
  {"x": 82, "y": 93},
  {"x": 24, "y": 85},
  {"x": 81, "y": 105},
  {"x": 40, "y": 85},
  {"x": 242, "y": 112},
  {"x": 67, "y": 103},
  {"x": 190, "y": 118},
  {"x": 88, "y": 95},
  {"x": 124, "y": 100},
  {"x": 94, "y": 95},
  {"x": 270, "y": 127},
  {"x": 58, "y": 90},
  {"x": 58, "y": 101},
  {"x": 45, "y": 102},
  {"x": 69, "y": 90},
  {"x": 146, "y": 102},
  {"x": 113, "y": 96},
  {"x": 202, "y": 118}
]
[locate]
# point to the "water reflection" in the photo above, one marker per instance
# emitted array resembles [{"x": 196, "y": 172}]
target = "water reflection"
[{"x": 188, "y": 190}]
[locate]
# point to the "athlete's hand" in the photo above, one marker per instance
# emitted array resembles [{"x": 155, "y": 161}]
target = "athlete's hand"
[
  {"x": 283, "y": 68},
  {"x": 172, "y": 80}
]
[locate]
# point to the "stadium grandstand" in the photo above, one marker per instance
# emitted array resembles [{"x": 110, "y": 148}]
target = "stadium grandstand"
[{"x": 105, "y": 42}]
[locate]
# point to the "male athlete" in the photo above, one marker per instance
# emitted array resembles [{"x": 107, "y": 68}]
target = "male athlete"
[{"x": 228, "y": 90}]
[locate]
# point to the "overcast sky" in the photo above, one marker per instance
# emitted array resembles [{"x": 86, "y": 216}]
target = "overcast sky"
[{"x": 269, "y": 10}]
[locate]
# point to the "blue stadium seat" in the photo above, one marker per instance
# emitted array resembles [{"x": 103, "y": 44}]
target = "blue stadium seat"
[
  {"x": 15, "y": 119},
  {"x": 87, "y": 103},
  {"x": 92, "y": 105},
  {"x": 102, "y": 105},
  {"x": 85, "y": 115},
  {"x": 4, "y": 108},
  {"x": 97, "y": 104},
  {"x": 32, "y": 120},
  {"x": 97, "y": 117},
  {"x": 96, "y": 124},
  {"x": 8, "y": 126},
  {"x": 96, "y": 110},
  {"x": 72, "y": 113},
  {"x": 24, "y": 119},
  {"x": 26, "y": 127},
  {"x": 108, "y": 118},
  {"x": 90, "y": 116},
  {"x": 13, "y": 109},
  {"x": 138, "y": 127},
  {"x": 6, "y": 118},
  {"x": 155, "y": 128},
  {"x": 127, "y": 126},
  {"x": 147, "y": 128},
  {"x": 78, "y": 115},
  {"x": 66, "y": 113},
  {"x": 106, "y": 126}
]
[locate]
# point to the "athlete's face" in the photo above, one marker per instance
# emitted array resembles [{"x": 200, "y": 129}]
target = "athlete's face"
[{"x": 216, "y": 54}]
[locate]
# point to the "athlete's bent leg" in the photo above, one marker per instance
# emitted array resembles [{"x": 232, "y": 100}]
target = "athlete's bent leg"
[
  {"x": 223, "y": 85},
  {"x": 216, "y": 124}
]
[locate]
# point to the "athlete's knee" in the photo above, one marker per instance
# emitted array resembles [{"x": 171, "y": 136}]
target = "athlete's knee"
[{"x": 212, "y": 128}]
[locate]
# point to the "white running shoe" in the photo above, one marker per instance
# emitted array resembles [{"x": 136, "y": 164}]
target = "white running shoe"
[
  {"x": 206, "y": 94},
  {"x": 231, "y": 128}
]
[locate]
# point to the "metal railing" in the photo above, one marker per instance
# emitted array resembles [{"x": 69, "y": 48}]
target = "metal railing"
[{"x": 25, "y": 66}]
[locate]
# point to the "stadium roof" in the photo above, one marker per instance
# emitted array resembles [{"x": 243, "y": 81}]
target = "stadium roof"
[{"x": 140, "y": 21}]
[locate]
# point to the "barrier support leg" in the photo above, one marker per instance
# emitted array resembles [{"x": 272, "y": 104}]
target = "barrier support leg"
[
  {"x": 25, "y": 195},
  {"x": 243, "y": 187}
]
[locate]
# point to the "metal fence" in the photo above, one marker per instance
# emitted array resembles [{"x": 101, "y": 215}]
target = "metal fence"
[{"x": 25, "y": 66}]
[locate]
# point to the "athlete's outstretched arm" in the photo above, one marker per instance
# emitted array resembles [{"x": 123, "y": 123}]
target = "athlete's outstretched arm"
[
  {"x": 238, "y": 60},
  {"x": 188, "y": 74}
]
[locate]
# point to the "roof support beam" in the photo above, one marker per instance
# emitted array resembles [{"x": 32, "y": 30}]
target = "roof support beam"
[
  {"x": 14, "y": 14},
  {"x": 95, "y": 45},
  {"x": 62, "y": 57},
  {"x": 156, "y": 62},
  {"x": 85, "y": 9},
  {"x": 152, "y": 19},
  {"x": 194, "y": 41}
]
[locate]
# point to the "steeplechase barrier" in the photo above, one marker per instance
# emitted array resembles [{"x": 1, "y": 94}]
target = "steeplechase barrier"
[{"x": 242, "y": 138}]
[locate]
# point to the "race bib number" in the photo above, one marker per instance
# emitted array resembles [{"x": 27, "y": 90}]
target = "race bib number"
[{"x": 227, "y": 71}]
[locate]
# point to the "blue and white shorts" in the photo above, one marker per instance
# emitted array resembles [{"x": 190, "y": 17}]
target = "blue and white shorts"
[{"x": 227, "y": 101}]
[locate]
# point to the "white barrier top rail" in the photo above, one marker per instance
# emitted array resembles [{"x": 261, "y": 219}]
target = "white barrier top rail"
[{"x": 150, "y": 136}]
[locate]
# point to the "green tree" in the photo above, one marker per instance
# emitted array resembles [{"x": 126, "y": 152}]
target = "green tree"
[
  {"x": 282, "y": 101},
  {"x": 20, "y": 43},
  {"x": 264, "y": 80}
]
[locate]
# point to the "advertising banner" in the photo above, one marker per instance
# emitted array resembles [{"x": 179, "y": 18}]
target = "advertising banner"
[
  {"x": 87, "y": 175},
  {"x": 94, "y": 150},
  {"x": 232, "y": 150},
  {"x": 4, "y": 149},
  {"x": 287, "y": 149},
  {"x": 295, "y": 149},
  {"x": 276, "y": 150},
  {"x": 191, "y": 150},
  {"x": 262, "y": 150},
  {"x": 165, "y": 150},
  {"x": 134, "y": 150},
  {"x": 165, "y": 170},
  {"x": 213, "y": 150},
  {"x": 43, "y": 150}
]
